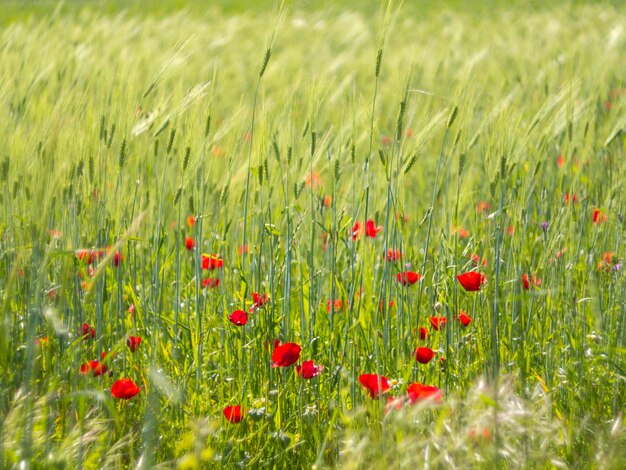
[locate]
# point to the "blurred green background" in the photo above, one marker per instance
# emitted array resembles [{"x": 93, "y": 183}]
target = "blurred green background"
[{"x": 19, "y": 10}]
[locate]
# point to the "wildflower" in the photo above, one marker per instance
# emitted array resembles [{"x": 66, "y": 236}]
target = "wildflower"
[
  {"x": 286, "y": 354},
  {"x": 599, "y": 217},
  {"x": 544, "y": 226},
  {"x": 41, "y": 341},
  {"x": 417, "y": 392},
  {"x": 131, "y": 309},
  {"x": 356, "y": 230},
  {"x": 437, "y": 322},
  {"x": 309, "y": 369},
  {"x": 313, "y": 180},
  {"x": 393, "y": 255},
  {"x": 211, "y": 262},
  {"x": 238, "y": 318},
  {"x": 393, "y": 403},
  {"x": 124, "y": 389},
  {"x": 423, "y": 333},
  {"x": 461, "y": 231},
  {"x": 191, "y": 221},
  {"x": 464, "y": 318},
  {"x": 337, "y": 305},
  {"x": 424, "y": 355},
  {"x": 94, "y": 367},
  {"x": 87, "y": 331},
  {"x": 527, "y": 281},
  {"x": 133, "y": 343},
  {"x": 408, "y": 278},
  {"x": 371, "y": 229},
  {"x": 258, "y": 301},
  {"x": 375, "y": 384},
  {"x": 190, "y": 243},
  {"x": 609, "y": 261},
  {"x": 233, "y": 414},
  {"x": 327, "y": 201},
  {"x": 482, "y": 206},
  {"x": 241, "y": 249},
  {"x": 117, "y": 259},
  {"x": 477, "y": 261},
  {"x": 471, "y": 281},
  {"x": 560, "y": 160},
  {"x": 210, "y": 282},
  {"x": 385, "y": 140},
  {"x": 569, "y": 198}
]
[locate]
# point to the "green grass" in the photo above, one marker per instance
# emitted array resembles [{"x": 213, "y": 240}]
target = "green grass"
[{"x": 118, "y": 121}]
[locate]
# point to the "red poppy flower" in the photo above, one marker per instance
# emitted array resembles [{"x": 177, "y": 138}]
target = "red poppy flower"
[
  {"x": 375, "y": 384},
  {"x": 286, "y": 354},
  {"x": 258, "y": 301},
  {"x": 393, "y": 403},
  {"x": 424, "y": 355},
  {"x": 133, "y": 343},
  {"x": 609, "y": 261},
  {"x": 423, "y": 333},
  {"x": 418, "y": 392},
  {"x": 464, "y": 318},
  {"x": 117, "y": 259},
  {"x": 337, "y": 305},
  {"x": 477, "y": 261},
  {"x": 371, "y": 229},
  {"x": 482, "y": 206},
  {"x": 356, "y": 230},
  {"x": 241, "y": 249},
  {"x": 87, "y": 331},
  {"x": 569, "y": 197},
  {"x": 191, "y": 221},
  {"x": 327, "y": 201},
  {"x": 41, "y": 341},
  {"x": 393, "y": 255},
  {"x": 510, "y": 230},
  {"x": 599, "y": 216},
  {"x": 131, "y": 309},
  {"x": 437, "y": 322},
  {"x": 385, "y": 140},
  {"x": 190, "y": 243},
  {"x": 408, "y": 278},
  {"x": 124, "y": 389},
  {"x": 309, "y": 369},
  {"x": 461, "y": 231},
  {"x": 233, "y": 414},
  {"x": 210, "y": 282},
  {"x": 527, "y": 281},
  {"x": 471, "y": 281},
  {"x": 238, "y": 318},
  {"x": 480, "y": 434},
  {"x": 313, "y": 180},
  {"x": 95, "y": 367},
  {"x": 560, "y": 160},
  {"x": 211, "y": 262}
]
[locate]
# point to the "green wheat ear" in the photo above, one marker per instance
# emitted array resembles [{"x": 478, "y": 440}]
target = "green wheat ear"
[
  {"x": 122, "y": 155},
  {"x": 186, "y": 158}
]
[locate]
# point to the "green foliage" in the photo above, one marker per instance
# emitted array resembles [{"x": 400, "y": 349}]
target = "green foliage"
[{"x": 116, "y": 128}]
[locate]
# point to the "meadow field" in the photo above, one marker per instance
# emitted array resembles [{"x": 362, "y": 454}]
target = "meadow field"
[{"x": 312, "y": 234}]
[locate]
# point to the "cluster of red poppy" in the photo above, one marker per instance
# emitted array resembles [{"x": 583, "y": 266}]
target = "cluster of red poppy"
[
  {"x": 371, "y": 229},
  {"x": 124, "y": 388},
  {"x": 283, "y": 355}
]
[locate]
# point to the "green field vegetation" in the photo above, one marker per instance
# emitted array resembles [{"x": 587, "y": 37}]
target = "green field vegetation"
[{"x": 483, "y": 138}]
